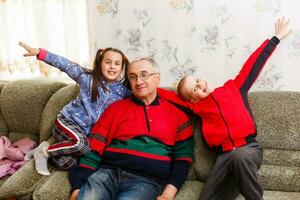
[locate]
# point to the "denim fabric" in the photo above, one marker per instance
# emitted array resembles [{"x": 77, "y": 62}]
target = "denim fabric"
[{"x": 116, "y": 184}]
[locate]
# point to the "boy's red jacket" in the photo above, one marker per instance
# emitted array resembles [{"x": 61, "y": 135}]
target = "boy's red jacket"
[{"x": 227, "y": 120}]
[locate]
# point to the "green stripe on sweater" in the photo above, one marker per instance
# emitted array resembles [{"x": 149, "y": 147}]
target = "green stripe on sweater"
[
  {"x": 91, "y": 159},
  {"x": 184, "y": 149},
  {"x": 143, "y": 144}
]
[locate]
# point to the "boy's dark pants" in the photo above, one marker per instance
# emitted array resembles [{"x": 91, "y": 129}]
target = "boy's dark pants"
[{"x": 235, "y": 172}]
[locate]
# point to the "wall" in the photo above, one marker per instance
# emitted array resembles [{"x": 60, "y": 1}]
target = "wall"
[{"x": 209, "y": 38}]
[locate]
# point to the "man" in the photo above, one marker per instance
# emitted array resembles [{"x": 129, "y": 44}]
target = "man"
[{"x": 138, "y": 145}]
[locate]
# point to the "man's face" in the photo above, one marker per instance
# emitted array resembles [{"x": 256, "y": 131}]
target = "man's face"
[{"x": 143, "y": 80}]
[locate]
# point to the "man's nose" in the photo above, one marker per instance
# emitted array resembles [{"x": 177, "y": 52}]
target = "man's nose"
[{"x": 139, "y": 81}]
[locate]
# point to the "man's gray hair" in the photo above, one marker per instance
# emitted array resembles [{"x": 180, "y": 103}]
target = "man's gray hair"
[{"x": 149, "y": 59}]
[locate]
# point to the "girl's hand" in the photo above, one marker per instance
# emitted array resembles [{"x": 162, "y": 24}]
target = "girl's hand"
[
  {"x": 282, "y": 28},
  {"x": 30, "y": 51}
]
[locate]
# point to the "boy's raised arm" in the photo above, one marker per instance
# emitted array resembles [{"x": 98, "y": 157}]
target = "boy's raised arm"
[
  {"x": 257, "y": 60},
  {"x": 282, "y": 29}
]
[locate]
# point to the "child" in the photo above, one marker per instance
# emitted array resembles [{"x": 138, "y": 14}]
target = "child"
[
  {"x": 228, "y": 125},
  {"x": 98, "y": 88}
]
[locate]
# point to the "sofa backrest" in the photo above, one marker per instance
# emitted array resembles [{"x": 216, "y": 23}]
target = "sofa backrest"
[
  {"x": 3, "y": 128},
  {"x": 55, "y": 104},
  {"x": 22, "y": 103},
  {"x": 277, "y": 116}
]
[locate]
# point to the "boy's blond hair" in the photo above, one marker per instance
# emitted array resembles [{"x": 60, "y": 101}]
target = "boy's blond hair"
[{"x": 180, "y": 88}]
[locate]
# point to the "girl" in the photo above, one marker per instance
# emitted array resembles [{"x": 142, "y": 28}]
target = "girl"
[{"x": 98, "y": 88}]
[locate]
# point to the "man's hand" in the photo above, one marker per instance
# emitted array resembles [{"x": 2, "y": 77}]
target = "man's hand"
[
  {"x": 30, "y": 51},
  {"x": 168, "y": 194},
  {"x": 74, "y": 194},
  {"x": 164, "y": 198},
  {"x": 282, "y": 28}
]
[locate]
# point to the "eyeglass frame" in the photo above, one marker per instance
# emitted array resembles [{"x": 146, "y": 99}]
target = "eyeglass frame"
[{"x": 142, "y": 76}]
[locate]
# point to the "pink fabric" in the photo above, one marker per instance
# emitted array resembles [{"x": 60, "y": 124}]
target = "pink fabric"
[
  {"x": 25, "y": 144},
  {"x": 12, "y": 155},
  {"x": 42, "y": 55}
]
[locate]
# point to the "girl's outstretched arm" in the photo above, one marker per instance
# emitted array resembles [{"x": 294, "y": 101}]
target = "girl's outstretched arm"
[
  {"x": 73, "y": 70},
  {"x": 30, "y": 51}
]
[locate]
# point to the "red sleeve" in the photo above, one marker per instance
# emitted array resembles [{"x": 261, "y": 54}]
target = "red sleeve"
[
  {"x": 42, "y": 55},
  {"x": 172, "y": 97},
  {"x": 99, "y": 137},
  {"x": 254, "y": 64}
]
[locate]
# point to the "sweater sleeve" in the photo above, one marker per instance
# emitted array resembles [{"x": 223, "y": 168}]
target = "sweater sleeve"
[
  {"x": 73, "y": 70},
  {"x": 172, "y": 97},
  {"x": 183, "y": 153},
  {"x": 254, "y": 64}
]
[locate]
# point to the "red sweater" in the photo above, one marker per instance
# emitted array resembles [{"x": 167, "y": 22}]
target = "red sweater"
[
  {"x": 153, "y": 140},
  {"x": 227, "y": 120}
]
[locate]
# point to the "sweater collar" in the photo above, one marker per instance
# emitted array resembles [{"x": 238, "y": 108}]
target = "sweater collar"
[{"x": 155, "y": 102}]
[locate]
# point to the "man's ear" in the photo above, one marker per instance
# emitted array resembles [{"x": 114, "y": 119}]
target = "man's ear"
[{"x": 158, "y": 79}]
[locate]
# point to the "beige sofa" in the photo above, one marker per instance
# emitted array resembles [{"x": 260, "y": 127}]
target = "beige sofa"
[{"x": 29, "y": 107}]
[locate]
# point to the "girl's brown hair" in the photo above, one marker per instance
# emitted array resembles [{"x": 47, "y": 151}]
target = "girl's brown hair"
[{"x": 97, "y": 76}]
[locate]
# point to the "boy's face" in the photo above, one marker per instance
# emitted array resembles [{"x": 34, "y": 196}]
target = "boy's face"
[{"x": 195, "y": 89}]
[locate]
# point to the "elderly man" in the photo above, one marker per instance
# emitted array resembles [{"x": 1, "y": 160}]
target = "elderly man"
[{"x": 138, "y": 145}]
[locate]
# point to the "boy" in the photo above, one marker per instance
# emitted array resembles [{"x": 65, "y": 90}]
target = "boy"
[{"x": 228, "y": 125}]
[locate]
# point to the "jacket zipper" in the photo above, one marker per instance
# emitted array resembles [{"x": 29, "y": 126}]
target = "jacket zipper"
[
  {"x": 231, "y": 140},
  {"x": 146, "y": 118}
]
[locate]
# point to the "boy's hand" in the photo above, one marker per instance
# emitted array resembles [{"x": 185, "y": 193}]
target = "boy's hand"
[
  {"x": 282, "y": 28},
  {"x": 30, "y": 51}
]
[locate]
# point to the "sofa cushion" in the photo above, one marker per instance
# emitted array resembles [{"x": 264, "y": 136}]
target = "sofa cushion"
[
  {"x": 22, "y": 183},
  {"x": 59, "y": 99},
  {"x": 190, "y": 190},
  {"x": 277, "y": 195},
  {"x": 277, "y": 116},
  {"x": 282, "y": 178},
  {"x": 57, "y": 187},
  {"x": 3, "y": 179},
  {"x": 204, "y": 159},
  {"x": 281, "y": 157},
  {"x": 22, "y": 103}
]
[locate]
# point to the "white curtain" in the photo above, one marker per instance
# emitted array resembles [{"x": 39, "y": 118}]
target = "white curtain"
[{"x": 59, "y": 26}]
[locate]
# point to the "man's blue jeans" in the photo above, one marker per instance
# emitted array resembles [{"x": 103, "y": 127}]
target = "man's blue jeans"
[{"x": 116, "y": 184}]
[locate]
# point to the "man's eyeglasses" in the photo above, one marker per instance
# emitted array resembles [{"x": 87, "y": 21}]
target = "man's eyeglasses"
[{"x": 142, "y": 76}]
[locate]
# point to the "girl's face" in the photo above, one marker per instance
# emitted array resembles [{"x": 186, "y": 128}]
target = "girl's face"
[{"x": 111, "y": 66}]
